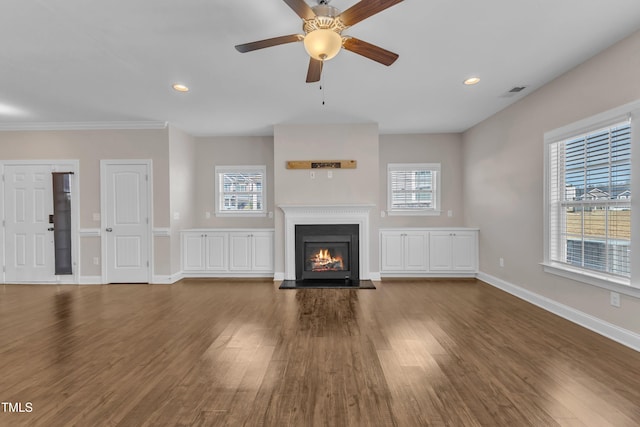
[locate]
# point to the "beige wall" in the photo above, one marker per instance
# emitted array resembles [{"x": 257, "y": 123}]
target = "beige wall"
[
  {"x": 503, "y": 177},
  {"x": 347, "y": 186},
  {"x": 89, "y": 147},
  {"x": 184, "y": 174},
  {"x": 306, "y": 142},
  {"x": 182, "y": 180},
  {"x": 445, "y": 149},
  {"x": 227, "y": 151}
]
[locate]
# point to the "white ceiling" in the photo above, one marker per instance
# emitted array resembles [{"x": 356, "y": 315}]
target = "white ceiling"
[{"x": 70, "y": 61}]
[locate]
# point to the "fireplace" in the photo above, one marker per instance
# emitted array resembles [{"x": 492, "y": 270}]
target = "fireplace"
[
  {"x": 327, "y": 252},
  {"x": 329, "y": 215}
]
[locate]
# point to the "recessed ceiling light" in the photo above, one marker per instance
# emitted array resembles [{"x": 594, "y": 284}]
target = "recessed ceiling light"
[
  {"x": 180, "y": 87},
  {"x": 472, "y": 81}
]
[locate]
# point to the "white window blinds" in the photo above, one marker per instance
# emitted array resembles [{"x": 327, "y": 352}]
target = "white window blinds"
[
  {"x": 240, "y": 189},
  {"x": 413, "y": 188},
  {"x": 590, "y": 200}
]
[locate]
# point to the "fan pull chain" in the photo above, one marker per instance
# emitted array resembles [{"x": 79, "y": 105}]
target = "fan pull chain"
[{"x": 322, "y": 88}]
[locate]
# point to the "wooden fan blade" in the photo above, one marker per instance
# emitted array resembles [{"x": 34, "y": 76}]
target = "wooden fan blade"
[
  {"x": 365, "y": 9},
  {"x": 301, "y": 8},
  {"x": 370, "y": 51},
  {"x": 275, "y": 41},
  {"x": 315, "y": 70}
]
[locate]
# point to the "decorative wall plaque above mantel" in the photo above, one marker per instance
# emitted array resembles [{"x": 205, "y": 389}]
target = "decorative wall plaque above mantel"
[{"x": 321, "y": 164}]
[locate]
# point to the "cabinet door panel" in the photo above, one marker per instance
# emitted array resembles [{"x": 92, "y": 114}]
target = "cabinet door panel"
[
  {"x": 262, "y": 252},
  {"x": 440, "y": 251},
  {"x": 239, "y": 251},
  {"x": 391, "y": 250},
  {"x": 415, "y": 251},
  {"x": 216, "y": 252},
  {"x": 193, "y": 257},
  {"x": 464, "y": 252}
]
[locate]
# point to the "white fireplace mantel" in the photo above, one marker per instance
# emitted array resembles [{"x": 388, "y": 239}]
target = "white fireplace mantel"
[{"x": 325, "y": 214}]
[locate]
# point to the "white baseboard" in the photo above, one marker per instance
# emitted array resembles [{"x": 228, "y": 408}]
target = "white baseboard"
[
  {"x": 623, "y": 336},
  {"x": 226, "y": 275},
  {"x": 156, "y": 279},
  {"x": 166, "y": 279},
  {"x": 438, "y": 275},
  {"x": 375, "y": 276},
  {"x": 90, "y": 280}
]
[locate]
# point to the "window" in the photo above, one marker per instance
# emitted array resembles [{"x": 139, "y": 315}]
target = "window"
[
  {"x": 589, "y": 201},
  {"x": 240, "y": 190},
  {"x": 413, "y": 189}
]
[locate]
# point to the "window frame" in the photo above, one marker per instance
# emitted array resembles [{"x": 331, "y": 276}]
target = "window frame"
[
  {"x": 435, "y": 169},
  {"x": 219, "y": 193},
  {"x": 630, "y": 286}
]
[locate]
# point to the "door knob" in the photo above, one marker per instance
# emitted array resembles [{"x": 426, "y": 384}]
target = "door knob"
[
  {"x": 50, "y": 229},
  {"x": 109, "y": 229}
]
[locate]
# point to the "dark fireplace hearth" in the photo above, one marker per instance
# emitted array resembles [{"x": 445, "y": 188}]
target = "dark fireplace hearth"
[{"x": 327, "y": 252}]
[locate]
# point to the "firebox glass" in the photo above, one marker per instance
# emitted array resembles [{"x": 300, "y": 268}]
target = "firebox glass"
[{"x": 331, "y": 256}]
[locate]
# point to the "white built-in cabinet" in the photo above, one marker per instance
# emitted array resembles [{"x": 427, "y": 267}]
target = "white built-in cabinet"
[
  {"x": 428, "y": 252},
  {"x": 453, "y": 251},
  {"x": 404, "y": 251},
  {"x": 204, "y": 251},
  {"x": 251, "y": 251},
  {"x": 227, "y": 252}
]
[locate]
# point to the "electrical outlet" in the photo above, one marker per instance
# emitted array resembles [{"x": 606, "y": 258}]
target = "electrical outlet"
[
  {"x": 329, "y": 174},
  {"x": 449, "y": 213},
  {"x": 207, "y": 215},
  {"x": 96, "y": 260},
  {"x": 312, "y": 174},
  {"x": 501, "y": 262},
  {"x": 615, "y": 299}
]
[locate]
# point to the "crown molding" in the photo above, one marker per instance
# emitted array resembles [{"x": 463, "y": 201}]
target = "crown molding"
[{"x": 44, "y": 126}]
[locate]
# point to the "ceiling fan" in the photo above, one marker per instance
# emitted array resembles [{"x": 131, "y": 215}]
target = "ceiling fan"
[{"x": 323, "y": 26}]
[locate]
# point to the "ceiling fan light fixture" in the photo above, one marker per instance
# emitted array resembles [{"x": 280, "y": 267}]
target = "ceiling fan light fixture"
[
  {"x": 322, "y": 44},
  {"x": 323, "y": 26}
]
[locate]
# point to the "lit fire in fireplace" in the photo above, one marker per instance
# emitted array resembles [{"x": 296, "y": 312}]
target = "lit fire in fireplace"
[{"x": 324, "y": 261}]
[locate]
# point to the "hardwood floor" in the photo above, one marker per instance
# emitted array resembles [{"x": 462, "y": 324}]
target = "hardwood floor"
[{"x": 208, "y": 353}]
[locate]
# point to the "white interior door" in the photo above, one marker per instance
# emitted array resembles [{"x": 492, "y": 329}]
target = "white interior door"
[
  {"x": 28, "y": 243},
  {"x": 126, "y": 221}
]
